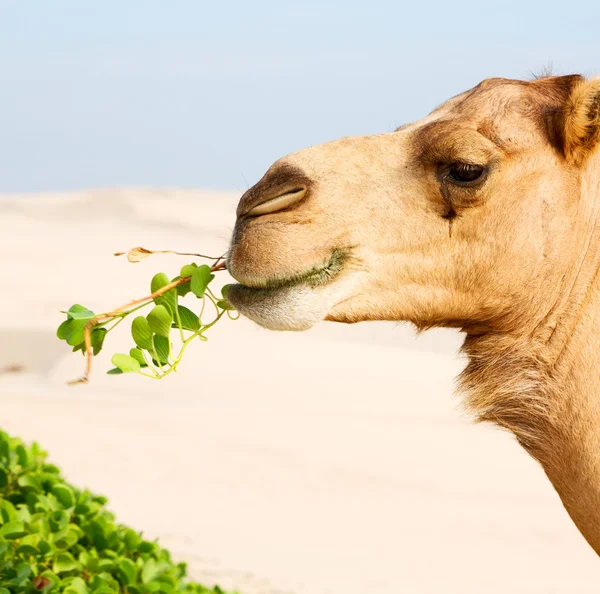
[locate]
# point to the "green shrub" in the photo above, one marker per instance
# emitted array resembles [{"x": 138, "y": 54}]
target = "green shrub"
[{"x": 56, "y": 538}]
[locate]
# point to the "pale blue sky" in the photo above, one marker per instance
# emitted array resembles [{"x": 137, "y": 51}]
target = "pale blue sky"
[{"x": 191, "y": 93}]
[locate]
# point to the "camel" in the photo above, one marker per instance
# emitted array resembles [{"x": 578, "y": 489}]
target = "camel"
[{"x": 483, "y": 216}]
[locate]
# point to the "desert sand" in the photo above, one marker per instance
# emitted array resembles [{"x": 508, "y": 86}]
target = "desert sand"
[{"x": 334, "y": 461}]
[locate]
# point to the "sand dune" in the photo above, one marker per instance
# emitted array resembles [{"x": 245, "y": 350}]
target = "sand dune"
[{"x": 333, "y": 461}]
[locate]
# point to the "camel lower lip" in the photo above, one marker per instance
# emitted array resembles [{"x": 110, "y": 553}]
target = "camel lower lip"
[
  {"x": 239, "y": 294},
  {"x": 315, "y": 277}
]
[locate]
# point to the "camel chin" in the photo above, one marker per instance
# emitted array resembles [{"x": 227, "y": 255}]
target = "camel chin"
[{"x": 289, "y": 308}]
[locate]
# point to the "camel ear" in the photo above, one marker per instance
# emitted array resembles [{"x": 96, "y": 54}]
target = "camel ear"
[{"x": 580, "y": 120}]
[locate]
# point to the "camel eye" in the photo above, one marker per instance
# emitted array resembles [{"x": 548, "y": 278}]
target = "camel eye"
[{"x": 466, "y": 173}]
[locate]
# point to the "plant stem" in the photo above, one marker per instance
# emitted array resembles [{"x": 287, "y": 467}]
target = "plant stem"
[
  {"x": 185, "y": 344},
  {"x": 181, "y": 335},
  {"x": 121, "y": 318},
  {"x": 201, "y": 311},
  {"x": 212, "y": 298},
  {"x": 149, "y": 364},
  {"x": 147, "y": 252},
  {"x": 205, "y": 328}
]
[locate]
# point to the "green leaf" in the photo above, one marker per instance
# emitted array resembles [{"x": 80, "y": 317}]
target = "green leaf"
[
  {"x": 189, "y": 320},
  {"x": 62, "y": 330},
  {"x": 161, "y": 344},
  {"x": 31, "y": 539},
  {"x": 75, "y": 332},
  {"x": 51, "y": 577},
  {"x": 97, "y": 533},
  {"x": 58, "y": 520},
  {"x": 126, "y": 571},
  {"x": 77, "y": 586},
  {"x": 78, "y": 312},
  {"x": 23, "y": 571},
  {"x": 45, "y": 547},
  {"x": 183, "y": 289},
  {"x": 104, "y": 583},
  {"x": 67, "y": 538},
  {"x": 27, "y": 550},
  {"x": 22, "y": 456},
  {"x": 98, "y": 336},
  {"x": 169, "y": 299},
  {"x": 114, "y": 371},
  {"x": 188, "y": 270},
  {"x": 159, "y": 281},
  {"x": 106, "y": 564},
  {"x": 159, "y": 320},
  {"x": 90, "y": 562},
  {"x": 224, "y": 290},
  {"x": 138, "y": 356},
  {"x": 147, "y": 547},
  {"x": 225, "y": 305},
  {"x": 8, "y": 512},
  {"x": 76, "y": 308},
  {"x": 200, "y": 279},
  {"x": 4, "y": 447},
  {"x": 149, "y": 570},
  {"x": 12, "y": 530},
  {"x": 3, "y": 478},
  {"x": 142, "y": 335},
  {"x": 64, "y": 494},
  {"x": 132, "y": 539},
  {"x": 125, "y": 363}
]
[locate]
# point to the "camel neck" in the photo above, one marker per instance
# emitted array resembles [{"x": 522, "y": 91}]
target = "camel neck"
[
  {"x": 554, "y": 412},
  {"x": 570, "y": 454},
  {"x": 577, "y": 301},
  {"x": 544, "y": 385}
]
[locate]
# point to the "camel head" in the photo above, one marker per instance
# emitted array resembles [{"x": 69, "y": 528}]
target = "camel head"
[{"x": 467, "y": 218}]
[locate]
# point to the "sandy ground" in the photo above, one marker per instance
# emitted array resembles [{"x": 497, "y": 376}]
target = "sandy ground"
[{"x": 333, "y": 461}]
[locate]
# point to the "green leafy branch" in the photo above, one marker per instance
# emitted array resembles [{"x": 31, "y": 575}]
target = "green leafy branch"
[
  {"x": 153, "y": 355},
  {"x": 58, "y": 539}
]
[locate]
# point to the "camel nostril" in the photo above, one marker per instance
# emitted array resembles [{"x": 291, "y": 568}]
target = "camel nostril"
[{"x": 278, "y": 203}]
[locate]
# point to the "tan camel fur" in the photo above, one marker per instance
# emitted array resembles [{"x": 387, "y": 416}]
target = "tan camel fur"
[{"x": 483, "y": 216}]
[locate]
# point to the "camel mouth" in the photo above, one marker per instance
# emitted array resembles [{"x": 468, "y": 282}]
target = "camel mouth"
[
  {"x": 289, "y": 303},
  {"x": 312, "y": 278}
]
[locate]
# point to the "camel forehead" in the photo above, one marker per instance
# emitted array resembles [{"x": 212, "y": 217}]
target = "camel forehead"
[
  {"x": 499, "y": 100},
  {"x": 510, "y": 113},
  {"x": 494, "y": 103},
  {"x": 476, "y": 99}
]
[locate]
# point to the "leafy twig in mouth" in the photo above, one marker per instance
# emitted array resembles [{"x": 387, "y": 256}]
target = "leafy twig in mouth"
[{"x": 165, "y": 314}]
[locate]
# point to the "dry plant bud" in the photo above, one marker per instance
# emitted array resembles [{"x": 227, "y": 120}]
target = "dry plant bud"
[{"x": 137, "y": 254}]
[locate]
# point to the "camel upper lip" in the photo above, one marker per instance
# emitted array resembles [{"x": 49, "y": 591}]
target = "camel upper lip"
[{"x": 314, "y": 277}]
